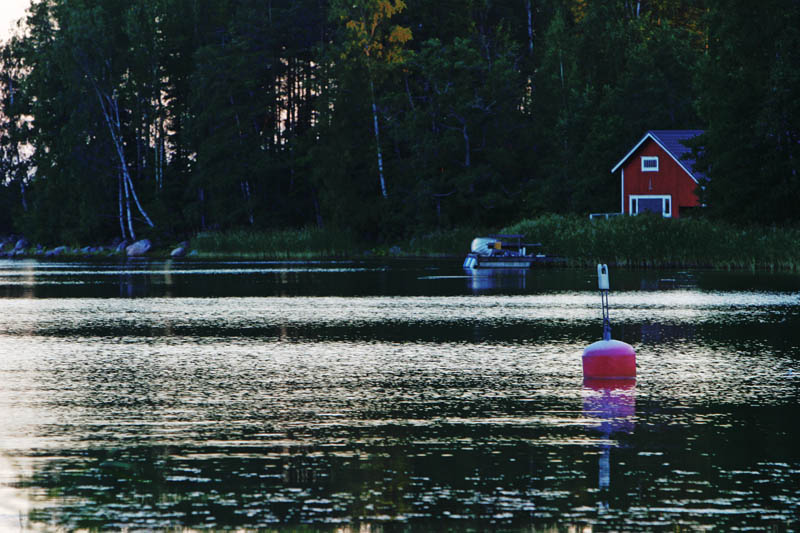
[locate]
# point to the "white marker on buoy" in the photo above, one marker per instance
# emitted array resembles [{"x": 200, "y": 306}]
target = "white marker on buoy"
[{"x": 608, "y": 359}]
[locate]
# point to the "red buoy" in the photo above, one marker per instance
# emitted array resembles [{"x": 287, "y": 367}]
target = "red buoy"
[{"x": 609, "y": 359}]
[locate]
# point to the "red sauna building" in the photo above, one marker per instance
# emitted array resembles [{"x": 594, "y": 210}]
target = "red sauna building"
[{"x": 657, "y": 175}]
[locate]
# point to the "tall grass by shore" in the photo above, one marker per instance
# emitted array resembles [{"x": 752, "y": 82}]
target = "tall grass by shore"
[
  {"x": 440, "y": 243},
  {"x": 314, "y": 243},
  {"x": 650, "y": 241},
  {"x": 634, "y": 242},
  {"x": 301, "y": 244}
]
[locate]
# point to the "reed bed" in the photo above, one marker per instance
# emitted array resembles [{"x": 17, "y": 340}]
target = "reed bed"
[
  {"x": 301, "y": 244},
  {"x": 650, "y": 241},
  {"x": 441, "y": 243},
  {"x": 633, "y": 242}
]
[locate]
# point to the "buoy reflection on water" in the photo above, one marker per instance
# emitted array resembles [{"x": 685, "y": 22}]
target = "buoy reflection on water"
[{"x": 612, "y": 403}]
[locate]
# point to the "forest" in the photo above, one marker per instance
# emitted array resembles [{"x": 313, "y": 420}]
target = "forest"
[{"x": 384, "y": 118}]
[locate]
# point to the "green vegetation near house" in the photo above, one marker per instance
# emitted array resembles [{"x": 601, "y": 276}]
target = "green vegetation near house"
[
  {"x": 637, "y": 242},
  {"x": 653, "y": 241}
]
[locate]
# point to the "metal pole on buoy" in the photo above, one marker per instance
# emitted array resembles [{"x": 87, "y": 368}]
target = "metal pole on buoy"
[
  {"x": 603, "y": 285},
  {"x": 608, "y": 359}
]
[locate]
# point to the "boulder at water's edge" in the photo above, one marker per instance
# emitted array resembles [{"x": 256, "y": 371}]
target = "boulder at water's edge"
[
  {"x": 138, "y": 248},
  {"x": 180, "y": 251}
]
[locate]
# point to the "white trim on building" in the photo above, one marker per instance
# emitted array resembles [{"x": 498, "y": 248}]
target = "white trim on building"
[
  {"x": 649, "y": 163},
  {"x": 622, "y": 200},
  {"x": 666, "y": 203},
  {"x": 648, "y": 135}
]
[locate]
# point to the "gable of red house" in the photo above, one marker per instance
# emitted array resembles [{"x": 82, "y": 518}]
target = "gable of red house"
[{"x": 657, "y": 175}]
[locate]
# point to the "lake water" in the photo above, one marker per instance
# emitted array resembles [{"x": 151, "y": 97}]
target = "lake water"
[{"x": 393, "y": 396}]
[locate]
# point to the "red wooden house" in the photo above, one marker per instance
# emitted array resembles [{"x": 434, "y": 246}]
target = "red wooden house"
[{"x": 657, "y": 175}]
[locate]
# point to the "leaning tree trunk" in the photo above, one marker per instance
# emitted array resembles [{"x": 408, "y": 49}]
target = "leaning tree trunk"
[
  {"x": 110, "y": 108},
  {"x": 128, "y": 205},
  {"x": 377, "y": 139},
  {"x": 123, "y": 232}
]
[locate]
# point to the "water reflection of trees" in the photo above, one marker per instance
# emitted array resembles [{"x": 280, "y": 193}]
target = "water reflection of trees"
[{"x": 447, "y": 470}]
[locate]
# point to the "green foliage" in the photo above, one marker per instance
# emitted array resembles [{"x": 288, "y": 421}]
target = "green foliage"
[
  {"x": 307, "y": 243},
  {"x": 369, "y": 34},
  {"x": 447, "y": 243},
  {"x": 383, "y": 119},
  {"x": 606, "y": 76},
  {"x": 651, "y": 241},
  {"x": 748, "y": 84},
  {"x": 644, "y": 241},
  {"x": 457, "y": 142}
]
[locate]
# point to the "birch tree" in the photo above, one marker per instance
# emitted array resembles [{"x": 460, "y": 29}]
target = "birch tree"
[
  {"x": 97, "y": 55},
  {"x": 374, "y": 42},
  {"x": 15, "y": 151}
]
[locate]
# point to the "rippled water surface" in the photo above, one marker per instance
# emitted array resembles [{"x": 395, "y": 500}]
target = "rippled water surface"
[{"x": 393, "y": 396}]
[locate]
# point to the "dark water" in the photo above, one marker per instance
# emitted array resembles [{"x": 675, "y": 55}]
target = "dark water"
[{"x": 393, "y": 396}]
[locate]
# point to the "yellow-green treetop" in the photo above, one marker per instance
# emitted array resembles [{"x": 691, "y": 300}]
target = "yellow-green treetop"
[{"x": 371, "y": 34}]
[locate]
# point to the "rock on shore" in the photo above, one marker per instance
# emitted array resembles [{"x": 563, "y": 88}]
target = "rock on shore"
[
  {"x": 18, "y": 247},
  {"x": 180, "y": 250},
  {"x": 138, "y": 248}
]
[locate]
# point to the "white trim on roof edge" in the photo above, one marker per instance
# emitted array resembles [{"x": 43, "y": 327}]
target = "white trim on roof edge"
[
  {"x": 636, "y": 147},
  {"x": 646, "y": 135}
]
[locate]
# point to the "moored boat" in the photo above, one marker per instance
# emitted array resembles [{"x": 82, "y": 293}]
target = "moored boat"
[{"x": 504, "y": 251}]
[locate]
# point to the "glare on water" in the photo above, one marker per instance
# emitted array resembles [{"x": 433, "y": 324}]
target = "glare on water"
[{"x": 161, "y": 395}]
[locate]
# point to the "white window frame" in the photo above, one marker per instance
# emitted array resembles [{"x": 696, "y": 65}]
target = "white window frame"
[
  {"x": 666, "y": 203},
  {"x": 649, "y": 158}
]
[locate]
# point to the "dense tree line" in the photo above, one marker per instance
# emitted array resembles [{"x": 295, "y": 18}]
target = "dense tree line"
[{"x": 384, "y": 117}]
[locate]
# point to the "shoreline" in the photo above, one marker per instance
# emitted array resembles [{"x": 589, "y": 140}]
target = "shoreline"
[
  {"x": 643, "y": 242},
  {"x": 250, "y": 257}
]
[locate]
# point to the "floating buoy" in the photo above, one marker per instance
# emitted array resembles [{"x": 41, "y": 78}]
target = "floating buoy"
[{"x": 608, "y": 359}]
